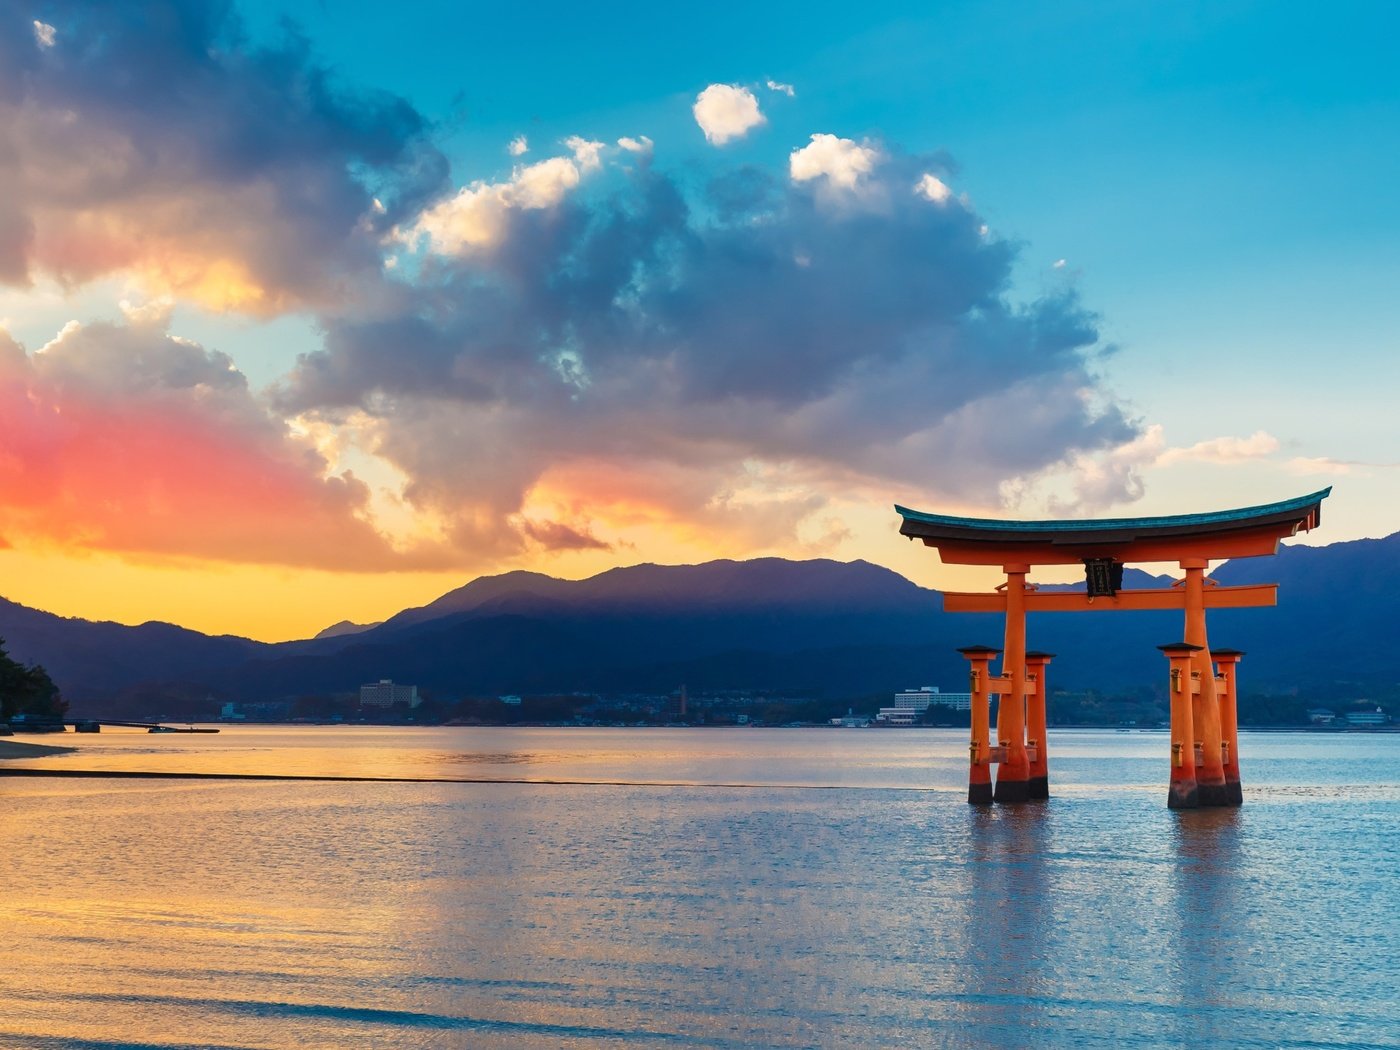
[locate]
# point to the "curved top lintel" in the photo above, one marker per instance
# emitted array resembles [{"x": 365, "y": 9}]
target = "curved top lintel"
[
  {"x": 1096, "y": 527},
  {"x": 1244, "y": 532}
]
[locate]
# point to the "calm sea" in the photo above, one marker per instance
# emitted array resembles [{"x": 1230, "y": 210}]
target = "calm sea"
[{"x": 703, "y": 888}]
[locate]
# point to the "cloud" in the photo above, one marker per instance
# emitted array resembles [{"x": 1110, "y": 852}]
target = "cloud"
[
  {"x": 556, "y": 536},
  {"x": 1223, "y": 450},
  {"x": 839, "y": 162},
  {"x": 169, "y": 149},
  {"x": 932, "y": 188},
  {"x": 1097, "y": 481},
  {"x": 519, "y": 146},
  {"x": 587, "y": 154},
  {"x": 1329, "y": 465},
  {"x": 786, "y": 89},
  {"x": 125, "y": 438},
  {"x": 718, "y": 363},
  {"x": 725, "y": 112},
  {"x": 478, "y": 216},
  {"x": 587, "y": 353}
]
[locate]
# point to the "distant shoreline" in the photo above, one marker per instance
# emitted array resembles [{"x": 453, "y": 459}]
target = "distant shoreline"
[
  {"x": 1279, "y": 728},
  {"x": 15, "y": 749}
]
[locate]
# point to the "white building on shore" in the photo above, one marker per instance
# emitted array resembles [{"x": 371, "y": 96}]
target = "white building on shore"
[{"x": 910, "y": 705}]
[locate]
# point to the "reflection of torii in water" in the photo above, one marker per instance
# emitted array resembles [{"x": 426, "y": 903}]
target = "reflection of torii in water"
[{"x": 1205, "y": 767}]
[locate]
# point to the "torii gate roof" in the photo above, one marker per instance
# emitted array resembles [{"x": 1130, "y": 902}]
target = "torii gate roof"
[{"x": 1243, "y": 532}]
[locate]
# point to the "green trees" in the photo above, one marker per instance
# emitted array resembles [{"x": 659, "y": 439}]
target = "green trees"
[{"x": 27, "y": 690}]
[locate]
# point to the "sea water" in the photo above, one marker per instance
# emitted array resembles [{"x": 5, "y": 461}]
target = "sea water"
[{"x": 694, "y": 887}]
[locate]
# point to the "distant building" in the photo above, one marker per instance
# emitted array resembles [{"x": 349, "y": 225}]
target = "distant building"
[
  {"x": 920, "y": 699},
  {"x": 910, "y": 705},
  {"x": 230, "y": 713},
  {"x": 384, "y": 693},
  {"x": 851, "y": 720},
  {"x": 676, "y": 705},
  {"x": 1320, "y": 716},
  {"x": 1367, "y": 718},
  {"x": 512, "y": 700}
]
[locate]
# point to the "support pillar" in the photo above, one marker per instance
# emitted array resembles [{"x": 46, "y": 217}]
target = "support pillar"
[
  {"x": 1181, "y": 791},
  {"x": 1227, "y": 660},
  {"x": 1038, "y": 785},
  {"x": 979, "y": 771},
  {"x": 1205, "y": 708},
  {"x": 1014, "y": 775}
]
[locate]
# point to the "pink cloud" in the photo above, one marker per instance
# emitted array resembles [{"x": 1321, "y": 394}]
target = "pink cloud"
[{"x": 125, "y": 439}]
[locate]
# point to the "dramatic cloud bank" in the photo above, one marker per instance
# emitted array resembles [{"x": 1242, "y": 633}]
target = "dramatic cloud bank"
[
  {"x": 583, "y": 352},
  {"x": 727, "y": 359}
]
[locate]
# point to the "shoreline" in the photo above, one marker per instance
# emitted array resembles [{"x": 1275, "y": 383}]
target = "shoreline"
[{"x": 15, "y": 749}]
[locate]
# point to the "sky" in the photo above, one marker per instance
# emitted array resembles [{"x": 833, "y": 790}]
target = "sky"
[{"x": 314, "y": 311}]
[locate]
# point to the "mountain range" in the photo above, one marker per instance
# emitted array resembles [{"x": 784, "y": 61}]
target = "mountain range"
[{"x": 819, "y": 628}]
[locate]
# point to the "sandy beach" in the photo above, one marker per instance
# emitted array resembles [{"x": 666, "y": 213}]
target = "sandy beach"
[{"x": 14, "y": 749}]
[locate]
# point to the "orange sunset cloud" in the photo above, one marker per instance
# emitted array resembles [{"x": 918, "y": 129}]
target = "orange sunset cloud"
[{"x": 127, "y": 439}]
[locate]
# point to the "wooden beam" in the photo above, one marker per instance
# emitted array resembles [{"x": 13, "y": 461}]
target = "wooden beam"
[
  {"x": 1241, "y": 543},
  {"x": 1251, "y": 596}
]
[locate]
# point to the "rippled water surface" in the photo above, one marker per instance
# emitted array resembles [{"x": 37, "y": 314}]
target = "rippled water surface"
[{"x": 712, "y": 888}]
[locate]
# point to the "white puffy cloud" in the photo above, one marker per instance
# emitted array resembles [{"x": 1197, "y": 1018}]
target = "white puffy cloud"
[
  {"x": 786, "y": 89},
  {"x": 477, "y": 216},
  {"x": 841, "y": 162},
  {"x": 43, "y": 33},
  {"x": 640, "y": 144},
  {"x": 543, "y": 185},
  {"x": 932, "y": 188},
  {"x": 519, "y": 146},
  {"x": 587, "y": 154},
  {"x": 725, "y": 112}
]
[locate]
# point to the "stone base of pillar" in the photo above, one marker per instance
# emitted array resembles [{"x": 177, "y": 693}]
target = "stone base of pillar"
[
  {"x": 1038, "y": 787},
  {"x": 1234, "y": 792},
  {"x": 979, "y": 794},
  {"x": 1213, "y": 794},
  {"x": 1008, "y": 790},
  {"x": 1181, "y": 794}
]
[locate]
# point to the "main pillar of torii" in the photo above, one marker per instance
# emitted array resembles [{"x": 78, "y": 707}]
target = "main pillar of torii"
[{"x": 1205, "y": 757}]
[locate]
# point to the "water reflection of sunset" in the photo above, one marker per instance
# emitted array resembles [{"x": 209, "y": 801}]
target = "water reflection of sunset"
[{"x": 536, "y": 914}]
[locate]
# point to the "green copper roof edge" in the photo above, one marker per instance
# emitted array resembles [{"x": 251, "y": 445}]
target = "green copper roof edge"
[{"x": 1114, "y": 524}]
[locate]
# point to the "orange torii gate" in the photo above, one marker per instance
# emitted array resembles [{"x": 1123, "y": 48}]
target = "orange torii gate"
[{"x": 1205, "y": 767}]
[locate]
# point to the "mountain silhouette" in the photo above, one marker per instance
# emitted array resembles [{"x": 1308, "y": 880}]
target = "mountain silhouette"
[{"x": 820, "y": 628}]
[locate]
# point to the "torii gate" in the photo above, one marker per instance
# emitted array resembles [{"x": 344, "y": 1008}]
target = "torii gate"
[{"x": 1205, "y": 767}]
